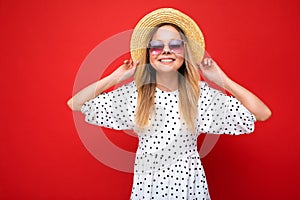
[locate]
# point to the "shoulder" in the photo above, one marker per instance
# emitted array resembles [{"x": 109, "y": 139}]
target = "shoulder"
[
  {"x": 204, "y": 88},
  {"x": 127, "y": 90},
  {"x": 210, "y": 87},
  {"x": 209, "y": 92},
  {"x": 130, "y": 86},
  {"x": 203, "y": 85}
]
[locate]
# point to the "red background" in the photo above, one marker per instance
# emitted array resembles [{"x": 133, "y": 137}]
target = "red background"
[{"x": 43, "y": 44}]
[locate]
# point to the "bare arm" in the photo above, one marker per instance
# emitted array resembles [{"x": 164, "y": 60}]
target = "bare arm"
[
  {"x": 124, "y": 72},
  {"x": 248, "y": 99},
  {"x": 214, "y": 73}
]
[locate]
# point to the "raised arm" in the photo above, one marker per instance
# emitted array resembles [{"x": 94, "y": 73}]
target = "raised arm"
[
  {"x": 122, "y": 73},
  {"x": 213, "y": 72}
]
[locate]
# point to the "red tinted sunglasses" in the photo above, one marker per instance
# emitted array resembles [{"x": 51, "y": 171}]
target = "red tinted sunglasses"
[{"x": 157, "y": 47}]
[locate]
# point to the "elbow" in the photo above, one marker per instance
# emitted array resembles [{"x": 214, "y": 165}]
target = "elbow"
[
  {"x": 73, "y": 106},
  {"x": 70, "y": 103},
  {"x": 265, "y": 115}
]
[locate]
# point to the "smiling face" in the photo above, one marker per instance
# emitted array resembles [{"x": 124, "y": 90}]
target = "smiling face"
[{"x": 166, "y": 49}]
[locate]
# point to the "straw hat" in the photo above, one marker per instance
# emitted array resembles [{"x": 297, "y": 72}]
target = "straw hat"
[{"x": 139, "y": 38}]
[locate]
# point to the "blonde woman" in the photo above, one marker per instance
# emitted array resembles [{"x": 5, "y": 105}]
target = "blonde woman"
[{"x": 168, "y": 106}]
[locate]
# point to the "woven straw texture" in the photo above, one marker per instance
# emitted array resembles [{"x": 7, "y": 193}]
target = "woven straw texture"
[{"x": 139, "y": 38}]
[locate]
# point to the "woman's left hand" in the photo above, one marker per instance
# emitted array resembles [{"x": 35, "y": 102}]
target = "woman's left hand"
[{"x": 211, "y": 71}]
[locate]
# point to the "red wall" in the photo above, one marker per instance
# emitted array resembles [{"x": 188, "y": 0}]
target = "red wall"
[{"x": 43, "y": 44}]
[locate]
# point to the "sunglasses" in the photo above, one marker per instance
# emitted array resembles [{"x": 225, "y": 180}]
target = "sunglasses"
[{"x": 156, "y": 47}]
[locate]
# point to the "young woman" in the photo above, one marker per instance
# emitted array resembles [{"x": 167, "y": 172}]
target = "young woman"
[{"x": 168, "y": 106}]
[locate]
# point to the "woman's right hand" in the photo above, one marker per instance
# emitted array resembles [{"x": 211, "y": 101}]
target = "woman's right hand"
[{"x": 125, "y": 71}]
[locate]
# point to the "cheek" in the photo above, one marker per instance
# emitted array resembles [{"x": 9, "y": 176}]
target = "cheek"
[
  {"x": 180, "y": 60},
  {"x": 152, "y": 59}
]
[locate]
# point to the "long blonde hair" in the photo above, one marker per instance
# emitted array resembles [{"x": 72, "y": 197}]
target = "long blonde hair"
[{"x": 188, "y": 80}]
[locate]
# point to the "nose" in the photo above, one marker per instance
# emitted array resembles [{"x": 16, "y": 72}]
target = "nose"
[{"x": 166, "y": 49}]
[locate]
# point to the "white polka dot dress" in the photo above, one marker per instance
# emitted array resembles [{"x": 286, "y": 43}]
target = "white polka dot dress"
[{"x": 167, "y": 164}]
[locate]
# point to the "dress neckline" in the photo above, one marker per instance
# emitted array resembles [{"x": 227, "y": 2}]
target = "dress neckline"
[{"x": 170, "y": 92}]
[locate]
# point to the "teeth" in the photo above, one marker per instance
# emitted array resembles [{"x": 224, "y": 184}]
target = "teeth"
[{"x": 166, "y": 60}]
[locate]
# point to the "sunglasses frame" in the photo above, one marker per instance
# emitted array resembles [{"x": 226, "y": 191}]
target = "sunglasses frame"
[{"x": 158, "y": 49}]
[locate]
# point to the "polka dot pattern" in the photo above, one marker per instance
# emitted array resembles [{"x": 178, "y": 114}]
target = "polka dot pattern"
[
  {"x": 222, "y": 114},
  {"x": 167, "y": 164},
  {"x": 115, "y": 109}
]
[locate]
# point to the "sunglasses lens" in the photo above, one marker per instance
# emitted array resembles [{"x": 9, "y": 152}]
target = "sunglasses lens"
[
  {"x": 176, "y": 46},
  {"x": 156, "y": 47}
]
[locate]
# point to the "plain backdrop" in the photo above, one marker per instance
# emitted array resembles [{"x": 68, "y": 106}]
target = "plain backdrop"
[{"x": 43, "y": 44}]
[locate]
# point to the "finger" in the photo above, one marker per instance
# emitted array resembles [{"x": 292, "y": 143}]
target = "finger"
[
  {"x": 126, "y": 62},
  {"x": 204, "y": 64},
  {"x": 136, "y": 63},
  {"x": 130, "y": 64},
  {"x": 134, "y": 66},
  {"x": 209, "y": 62},
  {"x": 200, "y": 66}
]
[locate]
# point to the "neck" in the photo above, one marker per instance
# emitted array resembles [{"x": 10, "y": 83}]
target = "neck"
[{"x": 167, "y": 81}]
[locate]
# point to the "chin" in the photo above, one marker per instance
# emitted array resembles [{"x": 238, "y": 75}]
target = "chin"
[{"x": 159, "y": 67}]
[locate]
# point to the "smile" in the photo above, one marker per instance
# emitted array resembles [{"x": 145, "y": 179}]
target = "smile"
[{"x": 166, "y": 60}]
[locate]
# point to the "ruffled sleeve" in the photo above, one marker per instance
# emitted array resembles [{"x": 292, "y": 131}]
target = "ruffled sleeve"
[
  {"x": 115, "y": 109},
  {"x": 222, "y": 114}
]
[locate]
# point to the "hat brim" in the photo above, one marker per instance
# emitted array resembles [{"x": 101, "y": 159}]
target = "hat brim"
[{"x": 139, "y": 38}]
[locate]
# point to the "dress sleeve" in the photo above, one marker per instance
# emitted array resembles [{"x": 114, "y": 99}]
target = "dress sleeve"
[
  {"x": 222, "y": 114},
  {"x": 115, "y": 109}
]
